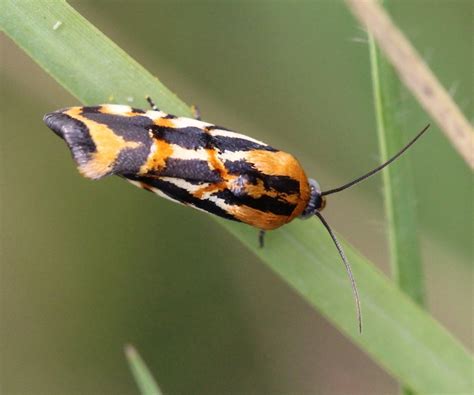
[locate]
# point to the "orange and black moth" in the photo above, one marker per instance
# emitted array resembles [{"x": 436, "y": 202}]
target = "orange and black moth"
[
  {"x": 197, "y": 164},
  {"x": 188, "y": 161}
]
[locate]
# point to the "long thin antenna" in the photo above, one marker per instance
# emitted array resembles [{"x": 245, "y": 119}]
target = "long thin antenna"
[
  {"x": 348, "y": 268},
  {"x": 377, "y": 169}
]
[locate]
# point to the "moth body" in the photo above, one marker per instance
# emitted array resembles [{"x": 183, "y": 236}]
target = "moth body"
[
  {"x": 188, "y": 161},
  {"x": 199, "y": 164}
]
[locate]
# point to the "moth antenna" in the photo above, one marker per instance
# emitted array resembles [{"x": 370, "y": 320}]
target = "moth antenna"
[
  {"x": 377, "y": 169},
  {"x": 348, "y": 268}
]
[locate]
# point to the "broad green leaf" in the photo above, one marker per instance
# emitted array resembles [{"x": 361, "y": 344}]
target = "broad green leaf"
[{"x": 399, "y": 335}]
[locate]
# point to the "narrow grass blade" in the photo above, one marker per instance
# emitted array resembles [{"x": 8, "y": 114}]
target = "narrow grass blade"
[
  {"x": 399, "y": 191},
  {"x": 399, "y": 194},
  {"x": 399, "y": 335},
  {"x": 65, "y": 45},
  {"x": 417, "y": 76},
  {"x": 145, "y": 381}
]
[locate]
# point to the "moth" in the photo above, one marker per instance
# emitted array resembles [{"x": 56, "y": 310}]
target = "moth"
[{"x": 198, "y": 164}]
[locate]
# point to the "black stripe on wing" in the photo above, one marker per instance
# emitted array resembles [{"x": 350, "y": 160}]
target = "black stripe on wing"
[
  {"x": 283, "y": 184},
  {"x": 182, "y": 195}
]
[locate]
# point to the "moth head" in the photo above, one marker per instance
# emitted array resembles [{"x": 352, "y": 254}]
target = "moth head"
[{"x": 316, "y": 202}]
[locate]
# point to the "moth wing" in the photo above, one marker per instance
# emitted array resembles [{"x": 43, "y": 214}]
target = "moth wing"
[
  {"x": 267, "y": 187},
  {"x": 107, "y": 139}
]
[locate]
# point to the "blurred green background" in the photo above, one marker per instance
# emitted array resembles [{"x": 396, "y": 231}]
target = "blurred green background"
[{"x": 89, "y": 266}]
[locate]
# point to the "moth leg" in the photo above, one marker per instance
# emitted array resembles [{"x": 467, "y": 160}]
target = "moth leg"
[
  {"x": 196, "y": 112},
  {"x": 152, "y": 104},
  {"x": 261, "y": 238}
]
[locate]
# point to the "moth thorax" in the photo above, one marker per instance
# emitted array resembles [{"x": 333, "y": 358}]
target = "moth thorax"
[{"x": 316, "y": 201}]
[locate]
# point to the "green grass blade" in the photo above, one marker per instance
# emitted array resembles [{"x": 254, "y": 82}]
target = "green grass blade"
[
  {"x": 399, "y": 194},
  {"x": 65, "y": 45},
  {"x": 145, "y": 381},
  {"x": 399, "y": 191},
  {"x": 400, "y": 197},
  {"x": 399, "y": 335}
]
